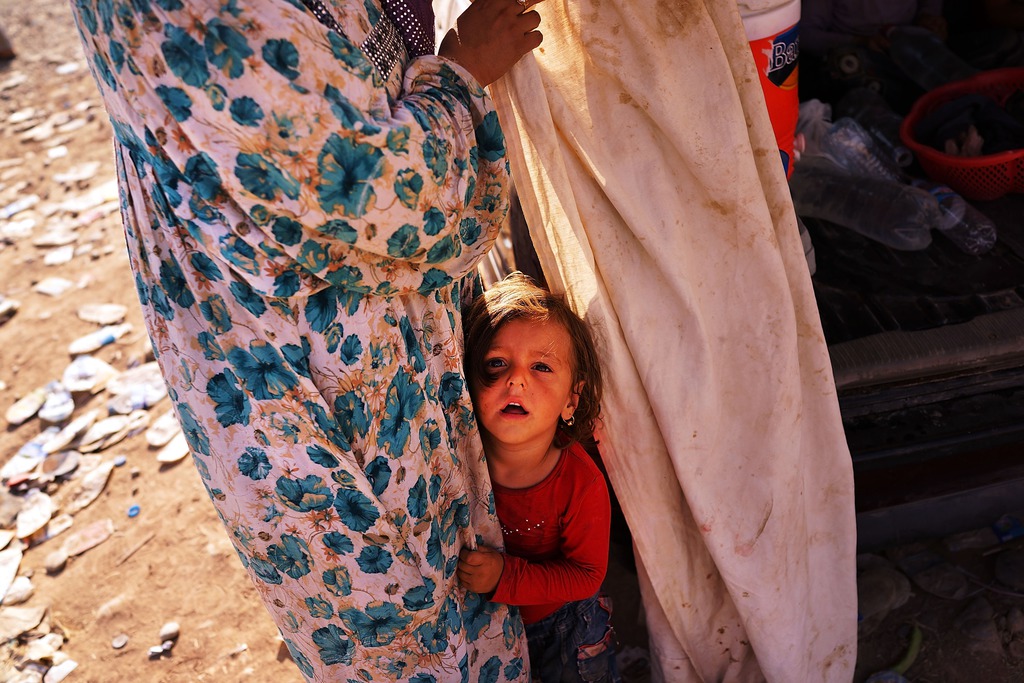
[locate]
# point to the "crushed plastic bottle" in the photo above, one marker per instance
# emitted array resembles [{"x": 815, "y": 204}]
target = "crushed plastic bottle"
[
  {"x": 856, "y": 151},
  {"x": 58, "y": 405},
  {"x": 870, "y": 110},
  {"x": 18, "y": 205},
  {"x": 924, "y": 58},
  {"x": 966, "y": 227},
  {"x": 892, "y": 213},
  {"x": 98, "y": 339}
]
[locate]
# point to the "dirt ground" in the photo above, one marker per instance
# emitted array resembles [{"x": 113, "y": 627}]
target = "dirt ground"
[{"x": 172, "y": 561}]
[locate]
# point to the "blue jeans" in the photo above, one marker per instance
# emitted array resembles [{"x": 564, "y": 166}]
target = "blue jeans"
[{"x": 574, "y": 644}]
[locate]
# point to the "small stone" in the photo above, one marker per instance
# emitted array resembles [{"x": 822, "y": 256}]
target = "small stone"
[
  {"x": 980, "y": 538},
  {"x": 119, "y": 641},
  {"x": 20, "y": 591},
  {"x": 1015, "y": 621},
  {"x": 59, "y": 672},
  {"x": 1009, "y": 569},
  {"x": 156, "y": 652},
  {"x": 167, "y": 646},
  {"x": 978, "y": 623},
  {"x": 169, "y": 631},
  {"x": 55, "y": 562}
]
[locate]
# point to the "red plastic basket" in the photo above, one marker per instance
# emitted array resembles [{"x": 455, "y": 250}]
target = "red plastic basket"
[{"x": 982, "y": 178}]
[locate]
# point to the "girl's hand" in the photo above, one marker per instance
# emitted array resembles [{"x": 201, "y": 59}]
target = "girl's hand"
[
  {"x": 491, "y": 36},
  {"x": 480, "y": 569}
]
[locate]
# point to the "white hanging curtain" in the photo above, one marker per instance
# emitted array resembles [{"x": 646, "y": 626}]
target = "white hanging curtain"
[{"x": 651, "y": 181}]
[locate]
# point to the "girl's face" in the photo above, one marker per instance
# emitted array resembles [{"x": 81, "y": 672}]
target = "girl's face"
[{"x": 531, "y": 365}]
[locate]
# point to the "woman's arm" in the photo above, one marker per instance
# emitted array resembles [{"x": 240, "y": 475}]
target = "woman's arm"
[{"x": 274, "y": 143}]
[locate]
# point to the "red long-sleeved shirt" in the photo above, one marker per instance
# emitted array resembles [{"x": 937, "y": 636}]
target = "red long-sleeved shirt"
[{"x": 556, "y": 537}]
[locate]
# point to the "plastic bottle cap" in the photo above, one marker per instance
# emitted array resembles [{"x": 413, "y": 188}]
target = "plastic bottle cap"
[{"x": 134, "y": 511}]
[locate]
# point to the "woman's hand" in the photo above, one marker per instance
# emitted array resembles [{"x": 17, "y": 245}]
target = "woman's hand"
[
  {"x": 491, "y": 36},
  {"x": 480, "y": 569}
]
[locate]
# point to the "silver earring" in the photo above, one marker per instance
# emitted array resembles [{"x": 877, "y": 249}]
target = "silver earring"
[{"x": 570, "y": 421}]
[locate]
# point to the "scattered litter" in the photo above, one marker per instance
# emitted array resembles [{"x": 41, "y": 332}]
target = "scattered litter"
[
  {"x": 1008, "y": 527},
  {"x": 10, "y": 506},
  {"x": 18, "y": 205},
  {"x": 29, "y": 455},
  {"x": 88, "y": 538},
  {"x": 88, "y": 373},
  {"x": 26, "y": 407},
  {"x": 36, "y": 513},
  {"x": 101, "y": 194},
  {"x": 23, "y": 115},
  {"x": 70, "y": 432},
  {"x": 88, "y": 488},
  {"x": 57, "y": 465},
  {"x": 20, "y": 480},
  {"x": 58, "y": 405},
  {"x": 19, "y": 229},
  {"x": 175, "y": 450},
  {"x": 72, "y": 125},
  {"x": 80, "y": 172},
  {"x": 134, "y": 510},
  {"x": 156, "y": 652},
  {"x": 98, "y": 339},
  {"x": 8, "y": 307},
  {"x": 10, "y": 561},
  {"x": 119, "y": 641},
  {"x": 59, "y": 672},
  {"x": 55, "y": 238},
  {"x": 57, "y": 152},
  {"x": 103, "y": 314},
  {"x": 120, "y": 461},
  {"x": 163, "y": 429},
  {"x": 13, "y": 81},
  {"x": 59, "y": 256},
  {"x": 16, "y": 620},
  {"x": 55, "y": 528},
  {"x": 112, "y": 430},
  {"x": 53, "y": 286},
  {"x": 6, "y": 536},
  {"x": 19, "y": 592},
  {"x": 138, "y": 388}
]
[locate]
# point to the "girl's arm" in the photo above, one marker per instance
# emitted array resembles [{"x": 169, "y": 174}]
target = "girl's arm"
[{"x": 581, "y": 569}]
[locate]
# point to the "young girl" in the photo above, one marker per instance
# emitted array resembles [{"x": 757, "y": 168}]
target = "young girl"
[{"x": 535, "y": 382}]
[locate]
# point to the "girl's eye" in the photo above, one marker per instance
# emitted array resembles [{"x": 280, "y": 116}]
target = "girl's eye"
[
  {"x": 541, "y": 367},
  {"x": 494, "y": 363}
]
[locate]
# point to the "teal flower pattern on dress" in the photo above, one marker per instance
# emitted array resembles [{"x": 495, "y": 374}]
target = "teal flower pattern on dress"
[{"x": 302, "y": 235}]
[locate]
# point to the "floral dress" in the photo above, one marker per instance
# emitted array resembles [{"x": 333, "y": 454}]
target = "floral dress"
[{"x": 303, "y": 227}]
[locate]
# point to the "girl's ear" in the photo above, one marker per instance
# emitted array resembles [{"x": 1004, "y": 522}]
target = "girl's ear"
[{"x": 574, "y": 401}]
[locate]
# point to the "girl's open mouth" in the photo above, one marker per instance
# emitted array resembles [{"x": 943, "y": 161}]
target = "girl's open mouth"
[{"x": 514, "y": 409}]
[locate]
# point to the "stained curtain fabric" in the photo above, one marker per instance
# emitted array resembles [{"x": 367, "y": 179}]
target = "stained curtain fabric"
[{"x": 649, "y": 176}]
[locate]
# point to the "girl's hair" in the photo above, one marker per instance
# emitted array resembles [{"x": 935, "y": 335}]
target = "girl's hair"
[{"x": 517, "y": 297}]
